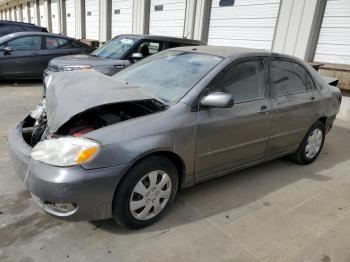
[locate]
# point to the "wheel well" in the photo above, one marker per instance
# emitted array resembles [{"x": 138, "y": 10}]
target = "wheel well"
[
  {"x": 174, "y": 158},
  {"x": 323, "y": 120}
]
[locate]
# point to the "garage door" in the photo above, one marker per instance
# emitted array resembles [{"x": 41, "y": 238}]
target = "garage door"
[
  {"x": 334, "y": 40},
  {"x": 70, "y": 17},
  {"x": 54, "y": 16},
  {"x": 92, "y": 9},
  {"x": 43, "y": 17},
  {"x": 244, "y": 23},
  {"x": 167, "y": 17},
  {"x": 121, "y": 17},
  {"x": 25, "y": 12},
  {"x": 14, "y": 13},
  {"x": 33, "y": 19}
]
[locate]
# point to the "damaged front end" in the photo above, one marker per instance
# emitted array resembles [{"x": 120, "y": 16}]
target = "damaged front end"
[
  {"x": 48, "y": 149},
  {"x": 82, "y": 102},
  {"x": 35, "y": 126}
]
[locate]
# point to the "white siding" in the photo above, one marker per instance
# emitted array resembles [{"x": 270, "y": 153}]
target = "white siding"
[
  {"x": 70, "y": 17},
  {"x": 334, "y": 40},
  {"x": 248, "y": 23},
  {"x": 54, "y": 16},
  {"x": 42, "y": 13},
  {"x": 92, "y": 15},
  {"x": 169, "y": 21},
  {"x": 33, "y": 19},
  {"x": 121, "y": 17}
]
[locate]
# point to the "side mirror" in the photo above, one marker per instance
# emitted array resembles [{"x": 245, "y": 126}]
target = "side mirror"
[
  {"x": 137, "y": 56},
  {"x": 218, "y": 100},
  {"x": 6, "y": 50}
]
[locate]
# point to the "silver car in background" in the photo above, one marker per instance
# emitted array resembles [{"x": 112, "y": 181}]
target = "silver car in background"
[{"x": 99, "y": 147}]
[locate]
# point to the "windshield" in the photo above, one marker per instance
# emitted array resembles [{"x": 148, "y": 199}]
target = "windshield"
[
  {"x": 169, "y": 75},
  {"x": 115, "y": 48}
]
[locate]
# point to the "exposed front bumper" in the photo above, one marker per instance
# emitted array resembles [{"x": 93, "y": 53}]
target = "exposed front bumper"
[{"x": 91, "y": 191}]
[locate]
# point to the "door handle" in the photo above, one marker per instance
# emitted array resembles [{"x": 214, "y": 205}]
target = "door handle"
[
  {"x": 263, "y": 109},
  {"x": 312, "y": 98},
  {"x": 119, "y": 66}
]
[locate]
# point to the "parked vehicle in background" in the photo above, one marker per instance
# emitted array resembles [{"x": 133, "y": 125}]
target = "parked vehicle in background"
[
  {"x": 118, "y": 53},
  {"x": 9, "y": 27},
  {"x": 26, "y": 54},
  {"x": 177, "y": 118}
]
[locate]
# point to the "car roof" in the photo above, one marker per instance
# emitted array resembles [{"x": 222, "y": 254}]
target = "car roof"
[
  {"x": 222, "y": 51},
  {"x": 18, "y": 23},
  {"x": 165, "y": 38},
  {"x": 238, "y": 52},
  {"x": 31, "y": 33}
]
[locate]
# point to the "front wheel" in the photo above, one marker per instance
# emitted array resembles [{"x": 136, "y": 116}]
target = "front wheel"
[
  {"x": 311, "y": 145},
  {"x": 146, "y": 192}
]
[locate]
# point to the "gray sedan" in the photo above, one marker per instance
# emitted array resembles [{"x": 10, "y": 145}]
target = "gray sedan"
[{"x": 99, "y": 147}]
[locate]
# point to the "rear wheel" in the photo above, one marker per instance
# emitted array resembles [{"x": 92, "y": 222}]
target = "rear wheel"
[
  {"x": 146, "y": 193},
  {"x": 311, "y": 145}
]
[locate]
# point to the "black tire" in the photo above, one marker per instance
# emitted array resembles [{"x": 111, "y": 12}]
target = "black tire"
[
  {"x": 121, "y": 210},
  {"x": 300, "y": 156}
]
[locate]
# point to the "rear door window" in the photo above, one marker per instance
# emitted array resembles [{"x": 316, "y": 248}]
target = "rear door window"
[
  {"x": 26, "y": 43},
  {"x": 288, "y": 78},
  {"x": 53, "y": 43}
]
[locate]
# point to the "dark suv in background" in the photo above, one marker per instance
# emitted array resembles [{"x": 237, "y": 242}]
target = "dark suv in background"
[
  {"x": 118, "y": 53},
  {"x": 9, "y": 27}
]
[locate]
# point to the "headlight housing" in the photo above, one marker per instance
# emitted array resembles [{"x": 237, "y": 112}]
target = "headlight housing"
[
  {"x": 75, "y": 67},
  {"x": 66, "y": 151}
]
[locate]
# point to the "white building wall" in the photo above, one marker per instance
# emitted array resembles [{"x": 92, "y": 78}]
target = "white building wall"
[
  {"x": 70, "y": 18},
  {"x": 42, "y": 14},
  {"x": 55, "y": 16},
  {"x": 167, "y": 17},
  {"x": 121, "y": 17},
  {"x": 92, "y": 19},
  {"x": 297, "y": 26},
  {"x": 334, "y": 39},
  {"x": 248, "y": 23},
  {"x": 33, "y": 13}
]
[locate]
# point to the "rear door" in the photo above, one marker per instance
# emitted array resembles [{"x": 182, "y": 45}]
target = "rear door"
[
  {"x": 57, "y": 46},
  {"x": 24, "y": 60},
  {"x": 293, "y": 105}
]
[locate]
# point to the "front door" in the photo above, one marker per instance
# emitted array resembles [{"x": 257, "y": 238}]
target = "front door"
[
  {"x": 231, "y": 137},
  {"x": 23, "y": 59}
]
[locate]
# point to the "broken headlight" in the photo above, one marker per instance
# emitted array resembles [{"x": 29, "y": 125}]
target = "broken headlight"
[{"x": 65, "y": 151}]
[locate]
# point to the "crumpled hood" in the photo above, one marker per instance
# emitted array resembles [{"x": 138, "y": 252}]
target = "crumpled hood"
[
  {"x": 71, "y": 93},
  {"x": 90, "y": 60}
]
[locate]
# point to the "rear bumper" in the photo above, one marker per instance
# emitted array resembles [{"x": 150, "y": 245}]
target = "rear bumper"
[{"x": 90, "y": 191}]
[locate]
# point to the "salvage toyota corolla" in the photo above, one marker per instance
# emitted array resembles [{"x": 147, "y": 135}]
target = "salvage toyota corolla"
[{"x": 99, "y": 147}]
